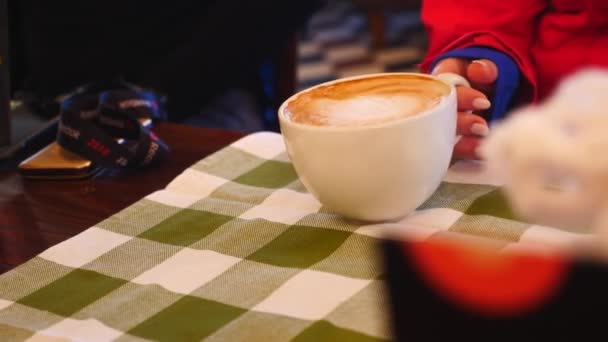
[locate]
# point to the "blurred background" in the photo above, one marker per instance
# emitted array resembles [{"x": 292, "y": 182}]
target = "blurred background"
[
  {"x": 354, "y": 37},
  {"x": 223, "y": 64}
]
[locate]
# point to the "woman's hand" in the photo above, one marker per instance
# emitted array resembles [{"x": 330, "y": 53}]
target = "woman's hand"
[{"x": 482, "y": 75}]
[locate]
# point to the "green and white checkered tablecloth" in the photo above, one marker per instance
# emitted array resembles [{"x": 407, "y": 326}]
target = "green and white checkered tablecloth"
[{"x": 235, "y": 249}]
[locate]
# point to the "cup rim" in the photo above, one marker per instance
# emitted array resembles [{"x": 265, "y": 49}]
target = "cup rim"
[{"x": 285, "y": 121}]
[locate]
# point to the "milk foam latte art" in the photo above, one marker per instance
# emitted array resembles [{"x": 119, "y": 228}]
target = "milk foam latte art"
[{"x": 364, "y": 102}]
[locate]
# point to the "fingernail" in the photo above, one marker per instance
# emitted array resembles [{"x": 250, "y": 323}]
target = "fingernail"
[
  {"x": 481, "y": 103},
  {"x": 435, "y": 70},
  {"x": 480, "y": 129},
  {"x": 483, "y": 64}
]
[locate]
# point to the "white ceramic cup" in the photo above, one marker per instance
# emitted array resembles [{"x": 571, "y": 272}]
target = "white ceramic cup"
[{"x": 379, "y": 172}]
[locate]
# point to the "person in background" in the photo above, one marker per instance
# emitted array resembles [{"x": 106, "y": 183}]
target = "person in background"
[
  {"x": 194, "y": 51},
  {"x": 512, "y": 52}
]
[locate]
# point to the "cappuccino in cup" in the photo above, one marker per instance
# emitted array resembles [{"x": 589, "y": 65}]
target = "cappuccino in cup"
[
  {"x": 373, "y": 147},
  {"x": 366, "y": 102}
]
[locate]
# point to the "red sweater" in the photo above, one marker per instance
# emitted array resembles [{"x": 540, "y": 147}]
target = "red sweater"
[{"x": 548, "y": 39}]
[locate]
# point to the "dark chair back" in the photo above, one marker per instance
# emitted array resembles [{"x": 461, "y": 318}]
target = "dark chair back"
[{"x": 5, "y": 124}]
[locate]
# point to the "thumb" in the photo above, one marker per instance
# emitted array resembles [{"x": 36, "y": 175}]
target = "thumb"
[{"x": 482, "y": 71}]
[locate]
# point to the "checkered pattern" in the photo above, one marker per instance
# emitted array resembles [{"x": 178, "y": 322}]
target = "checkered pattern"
[{"x": 235, "y": 249}]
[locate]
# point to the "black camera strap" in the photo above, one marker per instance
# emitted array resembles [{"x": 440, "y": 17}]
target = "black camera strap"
[{"x": 103, "y": 124}]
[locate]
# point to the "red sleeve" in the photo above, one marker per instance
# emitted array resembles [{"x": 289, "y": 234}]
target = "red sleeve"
[{"x": 505, "y": 25}]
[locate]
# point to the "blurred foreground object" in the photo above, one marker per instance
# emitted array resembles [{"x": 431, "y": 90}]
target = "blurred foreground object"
[
  {"x": 442, "y": 290},
  {"x": 552, "y": 156}
]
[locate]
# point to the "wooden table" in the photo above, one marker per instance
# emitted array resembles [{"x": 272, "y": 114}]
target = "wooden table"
[{"x": 35, "y": 215}]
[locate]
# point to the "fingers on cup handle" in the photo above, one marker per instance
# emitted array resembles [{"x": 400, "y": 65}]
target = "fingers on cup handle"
[
  {"x": 454, "y": 79},
  {"x": 471, "y": 124},
  {"x": 466, "y": 147},
  {"x": 470, "y": 99},
  {"x": 454, "y": 65},
  {"x": 471, "y": 127}
]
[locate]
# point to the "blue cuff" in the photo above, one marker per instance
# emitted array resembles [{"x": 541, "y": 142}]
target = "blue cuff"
[{"x": 508, "y": 76}]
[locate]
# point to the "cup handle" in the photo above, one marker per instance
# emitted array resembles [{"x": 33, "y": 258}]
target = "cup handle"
[{"x": 454, "y": 79}]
